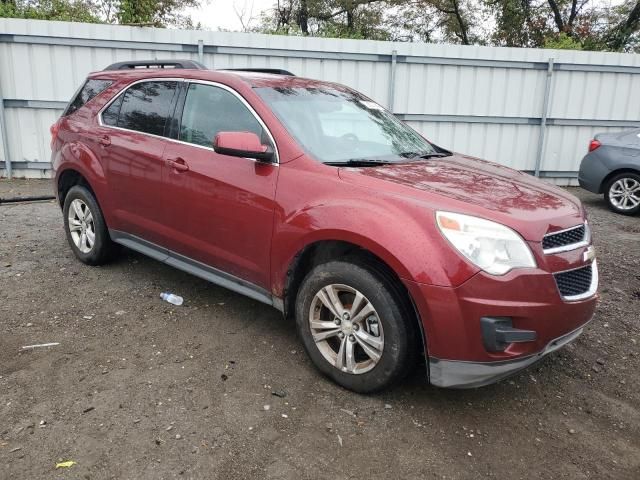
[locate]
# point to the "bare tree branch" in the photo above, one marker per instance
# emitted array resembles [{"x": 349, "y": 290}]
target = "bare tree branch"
[
  {"x": 621, "y": 34},
  {"x": 557, "y": 16}
]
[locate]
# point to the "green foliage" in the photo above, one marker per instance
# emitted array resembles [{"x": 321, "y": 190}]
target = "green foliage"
[
  {"x": 519, "y": 23},
  {"x": 158, "y": 13},
  {"x": 562, "y": 41},
  {"x": 137, "y": 11},
  {"x": 63, "y": 10}
]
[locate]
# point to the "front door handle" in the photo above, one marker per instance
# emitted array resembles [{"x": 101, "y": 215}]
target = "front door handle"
[
  {"x": 178, "y": 164},
  {"x": 105, "y": 140}
]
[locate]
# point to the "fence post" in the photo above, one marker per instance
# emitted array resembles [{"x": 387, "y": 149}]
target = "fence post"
[
  {"x": 542, "y": 140},
  {"x": 392, "y": 78},
  {"x": 4, "y": 139},
  {"x": 201, "y": 51}
]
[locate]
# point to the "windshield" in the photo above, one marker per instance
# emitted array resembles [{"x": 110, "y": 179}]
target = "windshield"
[{"x": 339, "y": 126}]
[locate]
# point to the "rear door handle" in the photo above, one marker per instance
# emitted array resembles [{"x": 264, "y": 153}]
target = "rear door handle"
[
  {"x": 178, "y": 164},
  {"x": 105, "y": 140}
]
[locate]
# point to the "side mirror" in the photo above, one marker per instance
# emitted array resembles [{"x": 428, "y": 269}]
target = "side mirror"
[{"x": 242, "y": 144}]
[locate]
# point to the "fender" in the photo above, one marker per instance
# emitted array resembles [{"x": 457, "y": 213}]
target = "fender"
[
  {"x": 417, "y": 258},
  {"x": 629, "y": 163}
]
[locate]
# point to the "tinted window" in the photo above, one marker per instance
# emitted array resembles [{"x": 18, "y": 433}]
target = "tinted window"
[
  {"x": 110, "y": 114},
  {"x": 209, "y": 110},
  {"x": 145, "y": 107},
  {"x": 89, "y": 90}
]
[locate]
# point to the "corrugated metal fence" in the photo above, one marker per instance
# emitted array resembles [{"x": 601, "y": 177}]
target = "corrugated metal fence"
[{"x": 526, "y": 108}]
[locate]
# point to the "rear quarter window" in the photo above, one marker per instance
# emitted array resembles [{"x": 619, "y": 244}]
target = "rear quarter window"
[
  {"x": 90, "y": 89},
  {"x": 110, "y": 114}
]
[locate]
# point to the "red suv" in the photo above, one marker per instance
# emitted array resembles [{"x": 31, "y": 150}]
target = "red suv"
[{"x": 312, "y": 198}]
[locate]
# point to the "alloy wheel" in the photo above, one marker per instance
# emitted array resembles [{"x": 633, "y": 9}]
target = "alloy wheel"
[
  {"x": 81, "y": 226},
  {"x": 624, "y": 194},
  {"x": 346, "y": 329}
]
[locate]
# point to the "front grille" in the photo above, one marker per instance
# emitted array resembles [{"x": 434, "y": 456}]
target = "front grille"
[
  {"x": 564, "y": 238},
  {"x": 574, "y": 282}
]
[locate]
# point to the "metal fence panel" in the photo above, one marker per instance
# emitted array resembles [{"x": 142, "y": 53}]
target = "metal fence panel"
[{"x": 503, "y": 104}]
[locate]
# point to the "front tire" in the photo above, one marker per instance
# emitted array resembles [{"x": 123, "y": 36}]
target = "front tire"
[
  {"x": 622, "y": 193},
  {"x": 354, "y": 327},
  {"x": 85, "y": 227}
]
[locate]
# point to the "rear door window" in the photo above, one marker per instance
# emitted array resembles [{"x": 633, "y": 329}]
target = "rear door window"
[
  {"x": 146, "y": 107},
  {"x": 90, "y": 89}
]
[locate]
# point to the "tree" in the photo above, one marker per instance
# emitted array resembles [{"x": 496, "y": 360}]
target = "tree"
[
  {"x": 65, "y": 10},
  {"x": 578, "y": 24},
  {"x": 573, "y": 24},
  {"x": 625, "y": 31},
  {"x": 334, "y": 18},
  {"x": 519, "y": 23},
  {"x": 244, "y": 14},
  {"x": 158, "y": 13}
]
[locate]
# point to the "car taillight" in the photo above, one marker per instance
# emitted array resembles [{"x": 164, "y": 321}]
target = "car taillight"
[
  {"x": 54, "y": 132},
  {"x": 593, "y": 144}
]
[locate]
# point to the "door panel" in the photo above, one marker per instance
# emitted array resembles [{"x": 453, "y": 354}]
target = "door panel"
[
  {"x": 220, "y": 211},
  {"x": 134, "y": 173},
  {"x": 219, "y": 208},
  {"x": 134, "y": 151}
]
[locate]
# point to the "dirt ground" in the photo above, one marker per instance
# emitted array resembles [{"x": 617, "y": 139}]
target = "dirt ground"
[{"x": 140, "y": 389}]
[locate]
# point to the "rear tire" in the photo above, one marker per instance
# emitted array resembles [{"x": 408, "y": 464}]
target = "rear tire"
[
  {"x": 85, "y": 227},
  {"x": 622, "y": 193},
  {"x": 368, "y": 323}
]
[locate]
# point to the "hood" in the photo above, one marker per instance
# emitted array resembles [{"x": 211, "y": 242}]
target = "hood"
[{"x": 481, "y": 188}]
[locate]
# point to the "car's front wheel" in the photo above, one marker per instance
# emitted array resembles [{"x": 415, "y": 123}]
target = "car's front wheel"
[
  {"x": 85, "y": 227},
  {"x": 622, "y": 193},
  {"x": 354, "y": 326}
]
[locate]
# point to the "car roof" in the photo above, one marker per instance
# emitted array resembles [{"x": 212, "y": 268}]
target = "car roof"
[{"x": 253, "y": 79}]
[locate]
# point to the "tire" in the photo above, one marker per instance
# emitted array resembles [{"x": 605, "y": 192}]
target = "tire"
[
  {"x": 390, "y": 327},
  {"x": 80, "y": 201},
  {"x": 617, "y": 187}
]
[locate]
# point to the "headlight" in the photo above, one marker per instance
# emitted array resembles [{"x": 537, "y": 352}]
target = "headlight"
[{"x": 494, "y": 248}]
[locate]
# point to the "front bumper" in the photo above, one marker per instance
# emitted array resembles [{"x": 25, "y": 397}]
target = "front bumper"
[
  {"x": 462, "y": 374},
  {"x": 529, "y": 299}
]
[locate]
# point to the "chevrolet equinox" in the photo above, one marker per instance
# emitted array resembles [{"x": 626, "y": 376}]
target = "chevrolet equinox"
[{"x": 310, "y": 197}]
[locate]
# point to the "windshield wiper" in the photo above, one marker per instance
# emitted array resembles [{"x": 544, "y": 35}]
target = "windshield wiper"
[
  {"x": 373, "y": 162},
  {"x": 429, "y": 154},
  {"x": 360, "y": 162}
]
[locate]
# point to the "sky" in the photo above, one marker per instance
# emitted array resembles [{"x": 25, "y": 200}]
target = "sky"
[{"x": 223, "y": 14}]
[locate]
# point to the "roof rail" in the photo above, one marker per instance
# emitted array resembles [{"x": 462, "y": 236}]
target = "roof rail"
[
  {"x": 274, "y": 71},
  {"x": 186, "y": 64}
]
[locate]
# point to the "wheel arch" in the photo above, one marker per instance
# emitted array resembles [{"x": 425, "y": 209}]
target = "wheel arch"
[
  {"x": 69, "y": 178},
  {"x": 322, "y": 251},
  {"x": 77, "y": 162},
  {"x": 614, "y": 173}
]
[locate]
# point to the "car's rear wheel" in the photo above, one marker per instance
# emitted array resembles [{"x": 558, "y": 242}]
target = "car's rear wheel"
[
  {"x": 354, "y": 327},
  {"x": 85, "y": 227},
  {"x": 622, "y": 193}
]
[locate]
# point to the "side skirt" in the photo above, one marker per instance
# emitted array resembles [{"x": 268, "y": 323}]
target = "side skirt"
[{"x": 196, "y": 268}]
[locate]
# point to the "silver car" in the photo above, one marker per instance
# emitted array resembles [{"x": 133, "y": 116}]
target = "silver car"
[{"x": 612, "y": 167}]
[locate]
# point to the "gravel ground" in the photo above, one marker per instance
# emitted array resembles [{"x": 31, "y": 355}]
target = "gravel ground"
[{"x": 220, "y": 388}]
